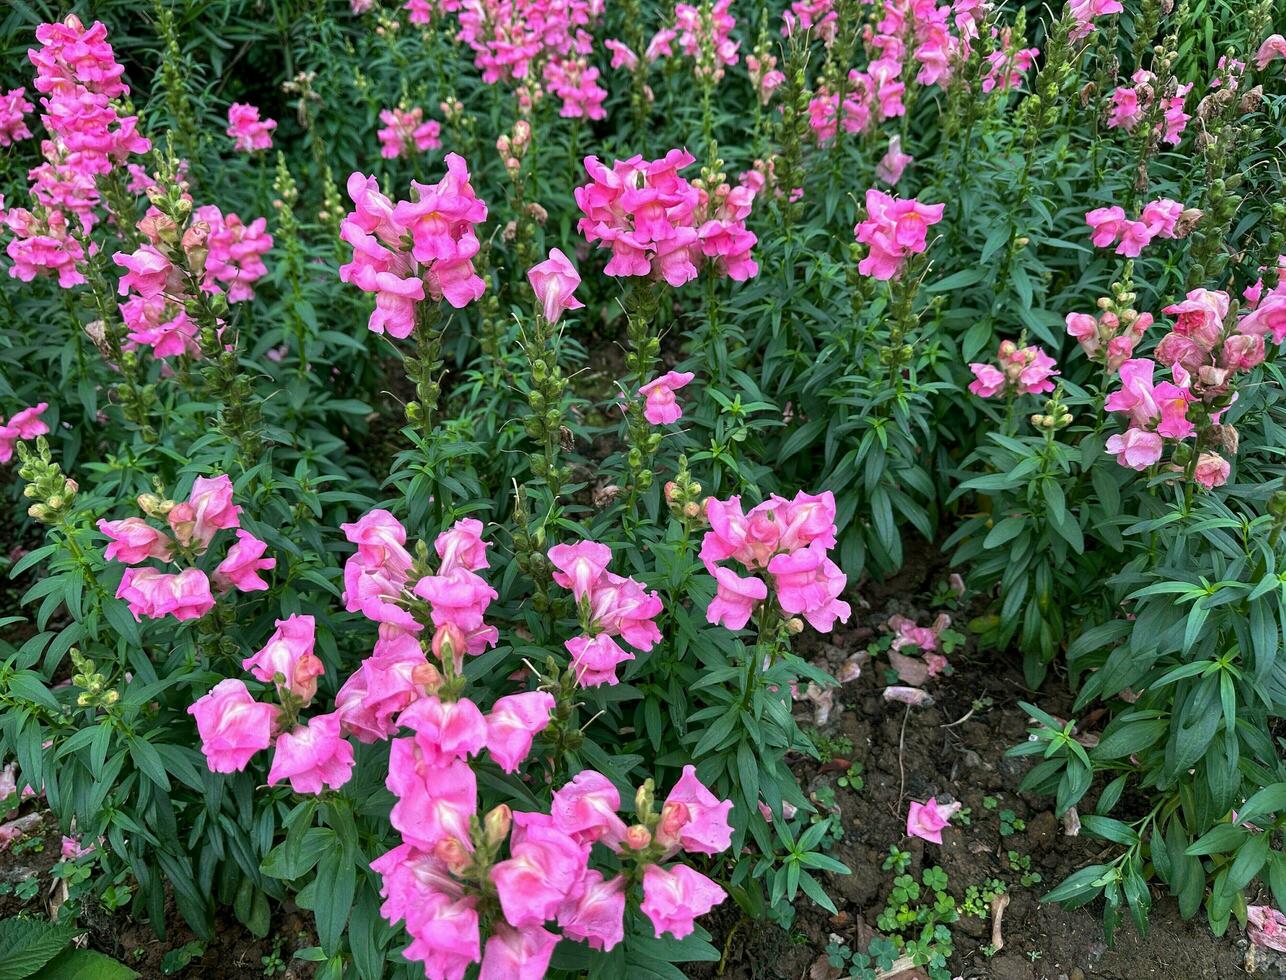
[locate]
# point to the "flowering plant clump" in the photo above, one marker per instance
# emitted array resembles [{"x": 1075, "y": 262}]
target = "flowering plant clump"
[{"x": 451, "y": 446}]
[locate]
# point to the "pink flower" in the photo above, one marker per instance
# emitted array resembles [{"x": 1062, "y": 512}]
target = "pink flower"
[
  {"x": 1135, "y": 448},
  {"x": 434, "y": 802},
  {"x": 894, "y": 162},
  {"x": 1274, "y": 47},
  {"x": 1162, "y": 217},
  {"x": 1267, "y": 318},
  {"x": 673, "y": 898},
  {"x": 662, "y": 407},
  {"x": 72, "y": 849},
  {"x": 1212, "y": 470},
  {"x": 155, "y": 594},
  {"x": 544, "y": 866},
  {"x": 735, "y": 599},
  {"x": 133, "y": 540},
  {"x": 988, "y": 380},
  {"x": 287, "y": 659},
  {"x": 208, "y": 509},
  {"x": 147, "y": 272},
  {"x": 517, "y": 954},
  {"x": 13, "y": 107},
  {"x": 808, "y": 583},
  {"x": 585, "y": 809},
  {"x": 513, "y": 723},
  {"x": 312, "y": 757},
  {"x": 596, "y": 659},
  {"x": 445, "y": 730},
  {"x": 1106, "y": 224},
  {"x": 406, "y": 129},
  {"x": 554, "y": 282},
  {"x": 694, "y": 818},
  {"x": 380, "y": 688},
  {"x": 461, "y": 546},
  {"x": 622, "y": 55},
  {"x": 241, "y": 568},
  {"x": 579, "y": 566},
  {"x": 27, "y": 423},
  {"x": 459, "y": 598},
  {"x": 893, "y": 230},
  {"x": 926, "y": 820},
  {"x": 594, "y": 911},
  {"x": 1266, "y": 926},
  {"x": 245, "y": 126},
  {"x": 1127, "y": 111},
  {"x": 233, "y": 726},
  {"x": 1242, "y": 352}
]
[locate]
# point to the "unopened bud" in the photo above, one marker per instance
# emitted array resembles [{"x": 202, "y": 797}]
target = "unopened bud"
[
  {"x": 453, "y": 854},
  {"x": 637, "y": 837},
  {"x": 496, "y": 824},
  {"x": 794, "y": 626},
  {"x": 644, "y": 798}
]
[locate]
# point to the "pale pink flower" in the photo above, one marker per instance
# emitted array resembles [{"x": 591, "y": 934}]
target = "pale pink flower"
[
  {"x": 544, "y": 866},
  {"x": 894, "y": 162},
  {"x": 233, "y": 726},
  {"x": 133, "y": 540},
  {"x": 1274, "y": 47},
  {"x": 927, "y": 820},
  {"x": 461, "y": 546},
  {"x": 380, "y": 688},
  {"x": 241, "y": 568},
  {"x": 554, "y": 282},
  {"x": 406, "y": 130},
  {"x": 1135, "y": 448},
  {"x": 434, "y": 802},
  {"x": 693, "y": 818},
  {"x": 1212, "y": 470},
  {"x": 513, "y": 723},
  {"x": 287, "y": 659},
  {"x": 208, "y": 509},
  {"x": 674, "y": 897},
  {"x": 586, "y": 809},
  {"x": 72, "y": 849},
  {"x": 662, "y": 407},
  {"x": 594, "y": 911},
  {"x": 250, "y": 132},
  {"x": 517, "y": 954},
  {"x": 735, "y": 599},
  {"x": 1106, "y": 224},
  {"x": 153, "y": 594},
  {"x": 313, "y": 757},
  {"x": 893, "y": 230},
  {"x": 595, "y": 659}
]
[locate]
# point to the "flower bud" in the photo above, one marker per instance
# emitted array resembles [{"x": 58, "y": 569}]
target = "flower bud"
[
  {"x": 453, "y": 854},
  {"x": 644, "y": 798},
  {"x": 794, "y": 626},
  {"x": 496, "y": 825},
  {"x": 637, "y": 837}
]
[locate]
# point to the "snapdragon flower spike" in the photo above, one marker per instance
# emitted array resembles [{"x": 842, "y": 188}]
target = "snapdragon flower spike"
[
  {"x": 1021, "y": 371},
  {"x": 609, "y": 605},
  {"x": 405, "y": 131},
  {"x": 658, "y": 225},
  {"x": 661, "y": 407},
  {"x": 234, "y": 253},
  {"x": 1108, "y": 339},
  {"x": 13, "y": 110},
  {"x": 782, "y": 542},
  {"x": 233, "y": 726},
  {"x": 1156, "y": 411},
  {"x": 1158, "y": 219},
  {"x": 376, "y": 575},
  {"x": 249, "y": 132},
  {"x": 894, "y": 229},
  {"x": 441, "y": 226},
  {"x": 22, "y": 426}
]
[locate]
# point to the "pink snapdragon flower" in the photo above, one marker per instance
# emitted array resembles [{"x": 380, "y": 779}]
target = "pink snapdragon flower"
[
  {"x": 554, "y": 282},
  {"x": 764, "y": 76},
  {"x": 1198, "y": 329},
  {"x": 1106, "y": 339},
  {"x": 1085, "y": 12},
  {"x": 1158, "y": 219},
  {"x": 376, "y": 574},
  {"x": 72, "y": 850},
  {"x": 786, "y": 539},
  {"x": 249, "y": 131},
  {"x": 445, "y": 730},
  {"x": 585, "y": 809},
  {"x": 594, "y": 911},
  {"x": 234, "y": 253},
  {"x": 154, "y": 594},
  {"x": 1022, "y": 371},
  {"x": 13, "y": 109},
  {"x": 1212, "y": 470},
  {"x": 21, "y": 427},
  {"x": 375, "y": 694},
  {"x": 312, "y": 757},
  {"x": 1274, "y": 47},
  {"x": 927, "y": 820},
  {"x": 544, "y": 866},
  {"x": 287, "y": 659},
  {"x": 240, "y": 569},
  {"x": 1136, "y": 449},
  {"x": 133, "y": 541},
  {"x": 405, "y": 130},
  {"x": 43, "y": 245},
  {"x": 662, "y": 407},
  {"x": 575, "y": 81},
  {"x": 441, "y": 226},
  {"x": 434, "y": 802},
  {"x": 233, "y": 726},
  {"x": 517, "y": 954},
  {"x": 674, "y": 897},
  {"x": 208, "y": 510},
  {"x": 894, "y": 162},
  {"x": 610, "y": 606},
  {"x": 693, "y": 818},
  {"x": 514, "y": 721},
  {"x": 894, "y": 229},
  {"x": 735, "y": 599},
  {"x": 461, "y": 546},
  {"x": 622, "y": 55}
]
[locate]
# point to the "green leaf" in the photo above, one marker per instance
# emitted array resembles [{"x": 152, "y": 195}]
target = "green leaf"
[
  {"x": 85, "y": 964},
  {"x": 28, "y": 944},
  {"x": 1218, "y": 840}
]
